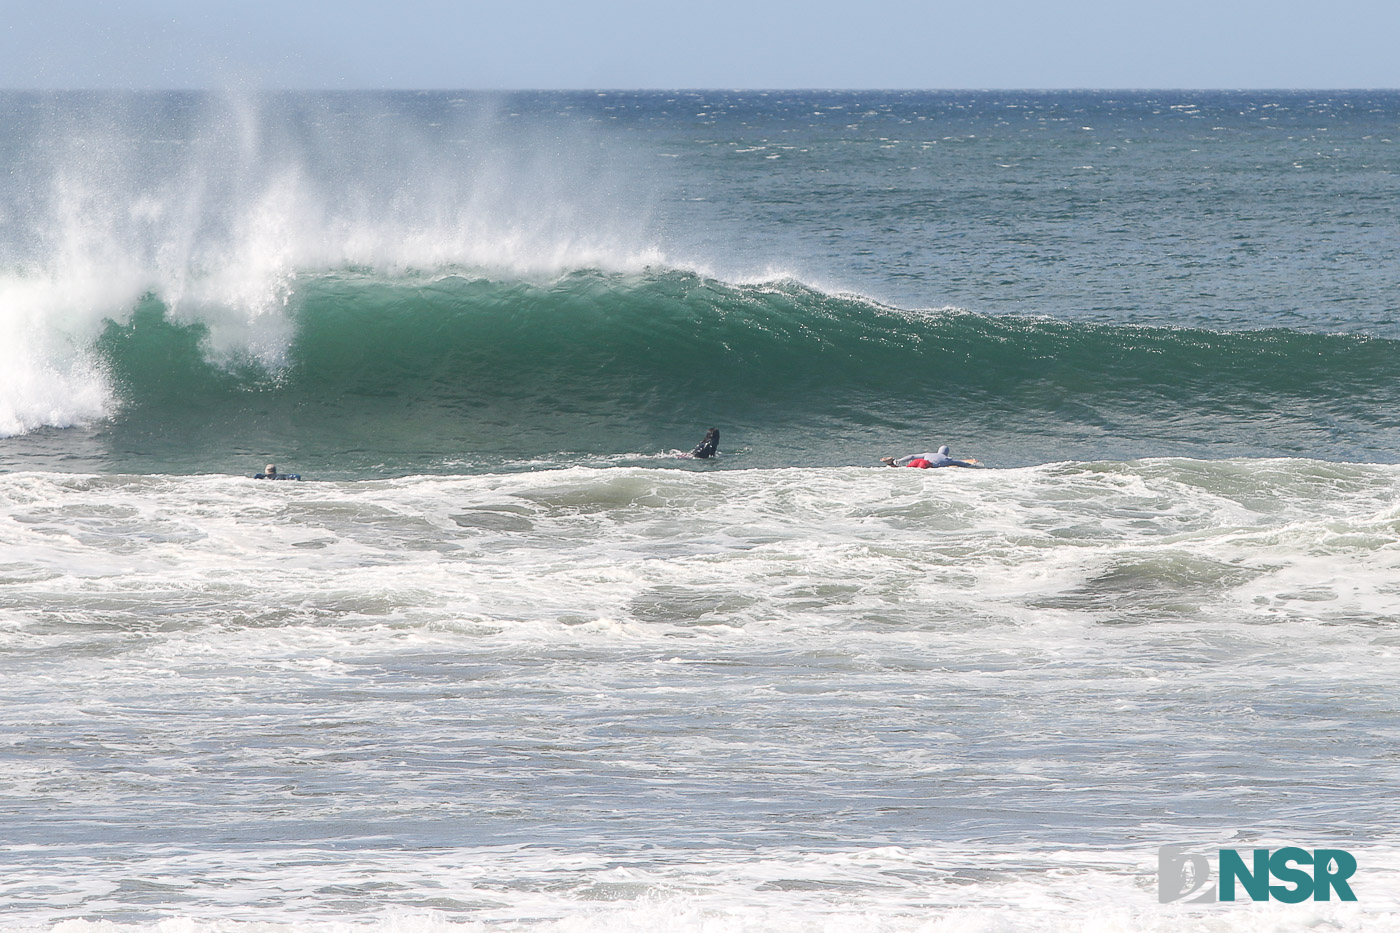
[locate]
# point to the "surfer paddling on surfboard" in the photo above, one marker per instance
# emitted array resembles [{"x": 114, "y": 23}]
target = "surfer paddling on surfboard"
[
  {"x": 928, "y": 461},
  {"x": 270, "y": 472},
  {"x": 708, "y": 447}
]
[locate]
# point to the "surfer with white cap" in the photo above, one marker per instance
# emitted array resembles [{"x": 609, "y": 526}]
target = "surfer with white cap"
[
  {"x": 928, "y": 461},
  {"x": 270, "y": 472}
]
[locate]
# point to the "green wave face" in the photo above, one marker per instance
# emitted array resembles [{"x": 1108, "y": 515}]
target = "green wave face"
[{"x": 417, "y": 374}]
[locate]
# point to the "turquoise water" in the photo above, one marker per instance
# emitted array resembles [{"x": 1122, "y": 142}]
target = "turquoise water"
[
  {"x": 462, "y": 374},
  {"x": 505, "y": 662},
  {"x": 380, "y": 284}
]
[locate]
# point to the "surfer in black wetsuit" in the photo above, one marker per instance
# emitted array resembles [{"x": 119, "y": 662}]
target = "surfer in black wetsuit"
[
  {"x": 708, "y": 447},
  {"x": 270, "y": 472}
]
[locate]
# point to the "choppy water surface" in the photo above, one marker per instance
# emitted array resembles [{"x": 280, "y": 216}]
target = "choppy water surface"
[{"x": 504, "y": 662}]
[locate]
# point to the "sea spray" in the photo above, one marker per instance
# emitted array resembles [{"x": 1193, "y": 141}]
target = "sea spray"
[
  {"x": 504, "y": 661},
  {"x": 214, "y": 205}
]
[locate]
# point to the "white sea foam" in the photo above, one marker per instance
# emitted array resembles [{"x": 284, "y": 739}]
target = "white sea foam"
[
  {"x": 639, "y": 699},
  {"x": 894, "y": 889},
  {"x": 1260, "y": 541},
  {"x": 644, "y": 698},
  {"x": 50, "y": 375}
]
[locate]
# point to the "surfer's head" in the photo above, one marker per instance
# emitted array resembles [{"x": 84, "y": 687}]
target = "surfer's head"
[
  {"x": 943, "y": 451},
  {"x": 270, "y": 469}
]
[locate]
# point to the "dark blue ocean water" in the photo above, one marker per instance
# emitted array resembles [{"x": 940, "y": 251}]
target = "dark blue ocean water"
[
  {"x": 504, "y": 662},
  {"x": 1216, "y": 209}
]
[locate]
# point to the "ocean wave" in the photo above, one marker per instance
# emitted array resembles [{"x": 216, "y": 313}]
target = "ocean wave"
[
  {"x": 655, "y": 339},
  {"x": 595, "y": 363},
  {"x": 213, "y": 206}
]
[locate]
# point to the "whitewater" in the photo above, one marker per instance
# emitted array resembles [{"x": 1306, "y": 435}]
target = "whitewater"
[{"x": 505, "y": 661}]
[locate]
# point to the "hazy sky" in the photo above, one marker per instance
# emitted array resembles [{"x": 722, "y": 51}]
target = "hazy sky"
[{"x": 709, "y": 43}]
